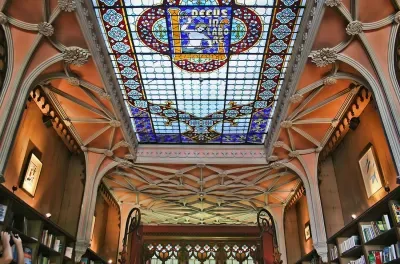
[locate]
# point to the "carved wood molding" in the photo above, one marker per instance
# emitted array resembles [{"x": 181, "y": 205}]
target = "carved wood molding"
[
  {"x": 355, "y": 109},
  {"x": 298, "y": 193},
  {"x": 60, "y": 126}
]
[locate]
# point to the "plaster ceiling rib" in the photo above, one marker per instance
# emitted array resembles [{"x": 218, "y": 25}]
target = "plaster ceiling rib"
[
  {"x": 49, "y": 88},
  {"x": 304, "y": 103},
  {"x": 321, "y": 104},
  {"x": 207, "y": 205}
]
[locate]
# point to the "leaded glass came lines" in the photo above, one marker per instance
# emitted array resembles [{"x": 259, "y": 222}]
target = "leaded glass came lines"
[{"x": 200, "y": 71}]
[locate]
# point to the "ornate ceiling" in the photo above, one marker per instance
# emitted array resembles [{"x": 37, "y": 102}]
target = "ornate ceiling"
[
  {"x": 200, "y": 71},
  {"x": 88, "y": 102},
  {"x": 203, "y": 193}
]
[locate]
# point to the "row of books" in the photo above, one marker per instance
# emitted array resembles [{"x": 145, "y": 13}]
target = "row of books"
[
  {"x": 358, "y": 261},
  {"x": 349, "y": 243},
  {"x": 395, "y": 206},
  {"x": 51, "y": 241},
  {"x": 334, "y": 253},
  {"x": 27, "y": 255},
  {"x": 370, "y": 231},
  {"x": 85, "y": 260},
  {"x": 388, "y": 254},
  {"x": 44, "y": 260}
]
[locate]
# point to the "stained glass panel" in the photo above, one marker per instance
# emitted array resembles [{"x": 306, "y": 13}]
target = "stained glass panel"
[{"x": 200, "y": 71}]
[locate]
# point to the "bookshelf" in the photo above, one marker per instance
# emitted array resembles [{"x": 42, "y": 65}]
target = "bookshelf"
[
  {"x": 91, "y": 257},
  {"x": 309, "y": 258},
  {"x": 372, "y": 232},
  {"x": 31, "y": 226}
]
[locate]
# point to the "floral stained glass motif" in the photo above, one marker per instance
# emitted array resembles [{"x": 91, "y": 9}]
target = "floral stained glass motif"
[{"x": 200, "y": 71}]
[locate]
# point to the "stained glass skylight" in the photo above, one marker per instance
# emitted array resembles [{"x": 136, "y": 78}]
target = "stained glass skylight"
[{"x": 200, "y": 71}]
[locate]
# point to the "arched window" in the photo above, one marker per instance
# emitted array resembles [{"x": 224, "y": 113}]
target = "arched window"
[{"x": 200, "y": 253}]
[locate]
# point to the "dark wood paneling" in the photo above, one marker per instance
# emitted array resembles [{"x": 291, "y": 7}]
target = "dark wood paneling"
[
  {"x": 293, "y": 251},
  {"x": 330, "y": 200},
  {"x": 55, "y": 157},
  {"x": 353, "y": 196}
]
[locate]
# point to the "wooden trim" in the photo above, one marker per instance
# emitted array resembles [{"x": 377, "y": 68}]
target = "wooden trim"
[{"x": 172, "y": 237}]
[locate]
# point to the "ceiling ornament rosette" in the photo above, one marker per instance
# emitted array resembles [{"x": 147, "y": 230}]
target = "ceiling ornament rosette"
[{"x": 204, "y": 97}]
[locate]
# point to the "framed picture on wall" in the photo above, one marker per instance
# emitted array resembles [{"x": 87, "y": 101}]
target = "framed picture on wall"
[
  {"x": 307, "y": 231},
  {"x": 32, "y": 174},
  {"x": 370, "y": 171}
]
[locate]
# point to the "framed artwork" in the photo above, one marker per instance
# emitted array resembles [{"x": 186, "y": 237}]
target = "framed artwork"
[
  {"x": 307, "y": 231},
  {"x": 370, "y": 171},
  {"x": 32, "y": 174}
]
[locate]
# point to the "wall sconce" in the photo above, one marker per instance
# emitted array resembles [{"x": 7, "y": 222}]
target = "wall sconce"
[
  {"x": 47, "y": 120},
  {"x": 354, "y": 122},
  {"x": 48, "y": 215},
  {"x": 353, "y": 216},
  {"x": 109, "y": 261}
]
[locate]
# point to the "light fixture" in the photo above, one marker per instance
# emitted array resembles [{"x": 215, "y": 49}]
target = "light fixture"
[
  {"x": 354, "y": 122},
  {"x": 47, "y": 120},
  {"x": 353, "y": 216},
  {"x": 48, "y": 215},
  {"x": 109, "y": 261}
]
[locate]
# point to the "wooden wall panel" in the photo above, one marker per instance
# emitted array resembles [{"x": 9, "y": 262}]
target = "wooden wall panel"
[
  {"x": 293, "y": 251},
  {"x": 55, "y": 157},
  {"x": 302, "y": 218},
  {"x": 106, "y": 229},
  {"x": 351, "y": 188},
  {"x": 73, "y": 194},
  {"x": 99, "y": 231},
  {"x": 111, "y": 239},
  {"x": 330, "y": 200}
]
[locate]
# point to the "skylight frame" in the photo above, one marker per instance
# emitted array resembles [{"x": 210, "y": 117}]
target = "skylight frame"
[{"x": 278, "y": 6}]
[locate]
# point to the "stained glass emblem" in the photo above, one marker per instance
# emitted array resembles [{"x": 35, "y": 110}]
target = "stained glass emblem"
[{"x": 200, "y": 71}]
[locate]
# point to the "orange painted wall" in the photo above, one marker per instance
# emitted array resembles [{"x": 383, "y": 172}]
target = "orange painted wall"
[
  {"x": 302, "y": 218},
  {"x": 55, "y": 174},
  {"x": 106, "y": 229},
  {"x": 292, "y": 240},
  {"x": 353, "y": 197}
]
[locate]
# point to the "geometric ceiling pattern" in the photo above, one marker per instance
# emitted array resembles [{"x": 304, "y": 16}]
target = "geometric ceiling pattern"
[
  {"x": 200, "y": 71},
  {"x": 202, "y": 193}
]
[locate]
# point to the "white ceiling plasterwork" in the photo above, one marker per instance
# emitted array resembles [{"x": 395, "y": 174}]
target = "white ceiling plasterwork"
[{"x": 202, "y": 193}]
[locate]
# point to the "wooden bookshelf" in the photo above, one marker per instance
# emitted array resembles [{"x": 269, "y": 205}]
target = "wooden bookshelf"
[
  {"x": 375, "y": 213},
  {"x": 90, "y": 255},
  {"x": 29, "y": 224},
  {"x": 306, "y": 259}
]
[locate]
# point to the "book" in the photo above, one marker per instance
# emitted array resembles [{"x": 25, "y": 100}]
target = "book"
[
  {"x": 385, "y": 220},
  {"x": 397, "y": 249},
  {"x": 68, "y": 252},
  {"x": 378, "y": 257},
  {"x": 49, "y": 240},
  {"x": 56, "y": 246},
  {"x": 25, "y": 226},
  {"x": 27, "y": 255},
  {"x": 392, "y": 252},
  {"x": 45, "y": 233},
  {"x": 3, "y": 211},
  {"x": 14, "y": 253},
  {"x": 395, "y": 209},
  {"x": 386, "y": 255}
]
